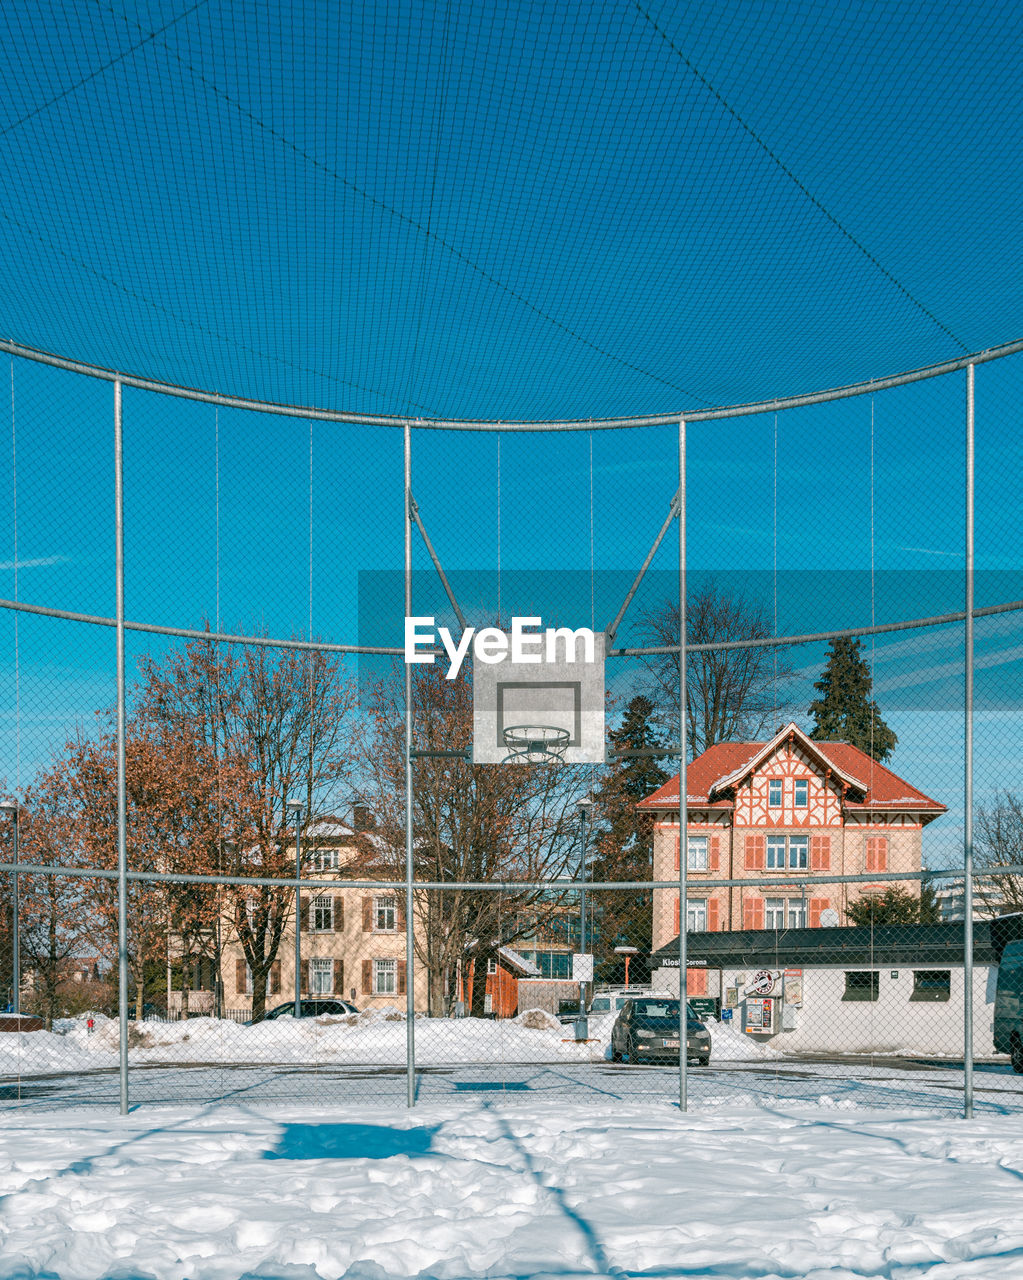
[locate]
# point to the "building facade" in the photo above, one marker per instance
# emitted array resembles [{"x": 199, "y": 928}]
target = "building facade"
[
  {"x": 352, "y": 940},
  {"x": 779, "y": 812}
]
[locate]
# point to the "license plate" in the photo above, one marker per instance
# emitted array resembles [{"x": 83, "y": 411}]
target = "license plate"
[{"x": 671, "y": 1044}]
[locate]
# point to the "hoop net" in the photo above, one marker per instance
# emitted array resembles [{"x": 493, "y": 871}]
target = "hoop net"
[{"x": 535, "y": 744}]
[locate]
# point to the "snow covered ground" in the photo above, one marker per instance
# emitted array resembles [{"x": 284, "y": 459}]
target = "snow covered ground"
[
  {"x": 363, "y": 1061},
  {"x": 486, "y": 1188}
]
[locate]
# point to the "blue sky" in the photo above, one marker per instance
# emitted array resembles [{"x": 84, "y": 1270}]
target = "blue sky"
[{"x": 505, "y": 211}]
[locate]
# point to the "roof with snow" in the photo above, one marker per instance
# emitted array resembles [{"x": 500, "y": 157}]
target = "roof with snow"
[
  {"x": 712, "y": 777},
  {"x": 516, "y": 961}
]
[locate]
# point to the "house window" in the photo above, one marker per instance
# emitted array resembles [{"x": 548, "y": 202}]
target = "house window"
[
  {"x": 932, "y": 984},
  {"x": 788, "y": 851},
  {"x": 774, "y": 793},
  {"x": 802, "y": 797},
  {"x": 323, "y": 914},
  {"x": 784, "y": 913},
  {"x": 325, "y": 860},
  {"x": 321, "y": 976},
  {"x": 488, "y": 1003},
  {"x": 696, "y": 853},
  {"x": 385, "y": 977},
  {"x": 491, "y": 966},
  {"x": 384, "y": 915},
  {"x": 861, "y": 984},
  {"x": 696, "y": 915}
]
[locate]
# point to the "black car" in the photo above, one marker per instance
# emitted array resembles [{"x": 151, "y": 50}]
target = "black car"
[
  {"x": 647, "y": 1029},
  {"x": 311, "y": 1008}
]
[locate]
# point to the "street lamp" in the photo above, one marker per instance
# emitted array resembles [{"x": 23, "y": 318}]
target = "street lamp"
[
  {"x": 295, "y": 807},
  {"x": 628, "y": 953},
  {"x": 10, "y": 807}
]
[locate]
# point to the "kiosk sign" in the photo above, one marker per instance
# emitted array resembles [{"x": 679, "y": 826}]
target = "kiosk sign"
[{"x": 761, "y": 984}]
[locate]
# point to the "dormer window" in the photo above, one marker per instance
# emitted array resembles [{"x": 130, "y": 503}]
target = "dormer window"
[
  {"x": 774, "y": 793},
  {"x": 802, "y": 796}
]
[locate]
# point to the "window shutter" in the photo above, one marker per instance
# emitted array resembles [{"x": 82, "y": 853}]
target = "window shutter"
[
  {"x": 696, "y": 982},
  {"x": 676, "y": 914},
  {"x": 713, "y": 915},
  {"x": 339, "y": 913},
  {"x": 399, "y": 913},
  {"x": 401, "y": 977},
  {"x": 877, "y": 853},
  {"x": 753, "y": 913},
  {"x": 240, "y": 976},
  {"x": 275, "y": 978},
  {"x": 820, "y": 853},
  {"x": 714, "y": 853},
  {"x": 367, "y": 977},
  {"x": 678, "y": 853},
  {"x": 367, "y": 915},
  {"x": 304, "y": 976},
  {"x": 303, "y": 913},
  {"x": 756, "y": 850},
  {"x": 817, "y": 905},
  {"x": 339, "y": 976}
]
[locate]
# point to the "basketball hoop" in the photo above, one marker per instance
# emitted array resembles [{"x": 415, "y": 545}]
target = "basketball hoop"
[{"x": 535, "y": 744}]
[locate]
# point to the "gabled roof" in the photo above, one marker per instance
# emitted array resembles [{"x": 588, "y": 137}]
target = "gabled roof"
[{"x": 713, "y": 775}]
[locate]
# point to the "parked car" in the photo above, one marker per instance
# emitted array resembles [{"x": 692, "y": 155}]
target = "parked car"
[
  {"x": 615, "y": 1001},
  {"x": 1009, "y": 1005},
  {"x": 647, "y": 1030},
  {"x": 605, "y": 1002},
  {"x": 310, "y": 1007}
]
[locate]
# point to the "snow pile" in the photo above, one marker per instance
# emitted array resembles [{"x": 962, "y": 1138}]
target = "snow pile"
[
  {"x": 500, "y": 1190},
  {"x": 729, "y": 1044},
  {"x": 375, "y": 1037}
]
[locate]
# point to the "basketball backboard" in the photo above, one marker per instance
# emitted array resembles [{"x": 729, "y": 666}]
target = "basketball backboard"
[{"x": 561, "y": 687}]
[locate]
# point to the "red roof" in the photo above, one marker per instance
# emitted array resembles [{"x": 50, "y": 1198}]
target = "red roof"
[{"x": 872, "y": 786}]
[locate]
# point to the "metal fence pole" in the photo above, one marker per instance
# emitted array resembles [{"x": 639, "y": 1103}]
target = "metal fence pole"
[
  {"x": 15, "y": 919},
  {"x": 295, "y": 807},
  {"x": 968, "y": 771},
  {"x": 410, "y": 1002},
  {"x": 683, "y": 807},
  {"x": 122, "y": 795}
]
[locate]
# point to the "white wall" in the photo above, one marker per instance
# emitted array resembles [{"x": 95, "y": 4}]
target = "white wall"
[{"x": 826, "y": 1023}]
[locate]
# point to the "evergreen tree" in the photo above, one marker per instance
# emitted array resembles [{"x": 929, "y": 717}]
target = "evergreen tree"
[
  {"x": 844, "y": 712},
  {"x": 623, "y": 841},
  {"x": 895, "y": 906}
]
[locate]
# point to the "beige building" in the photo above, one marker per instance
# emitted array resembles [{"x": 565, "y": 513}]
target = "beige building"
[
  {"x": 778, "y": 811},
  {"x": 352, "y": 940}
]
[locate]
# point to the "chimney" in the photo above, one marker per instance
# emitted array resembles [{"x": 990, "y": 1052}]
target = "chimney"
[{"x": 362, "y": 818}]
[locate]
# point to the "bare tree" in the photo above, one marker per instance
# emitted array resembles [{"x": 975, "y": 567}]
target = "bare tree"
[
  {"x": 490, "y": 823},
  {"x": 54, "y": 924},
  {"x": 732, "y": 694},
  {"x": 276, "y": 726},
  {"x": 998, "y": 842}
]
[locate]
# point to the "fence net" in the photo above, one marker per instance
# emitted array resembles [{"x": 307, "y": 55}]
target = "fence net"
[{"x": 264, "y": 745}]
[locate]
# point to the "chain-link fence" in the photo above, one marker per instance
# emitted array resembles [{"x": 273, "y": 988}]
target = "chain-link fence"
[{"x": 208, "y": 740}]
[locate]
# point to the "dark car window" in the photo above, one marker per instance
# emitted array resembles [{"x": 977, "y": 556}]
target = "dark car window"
[
  {"x": 656, "y": 1008},
  {"x": 662, "y": 1009}
]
